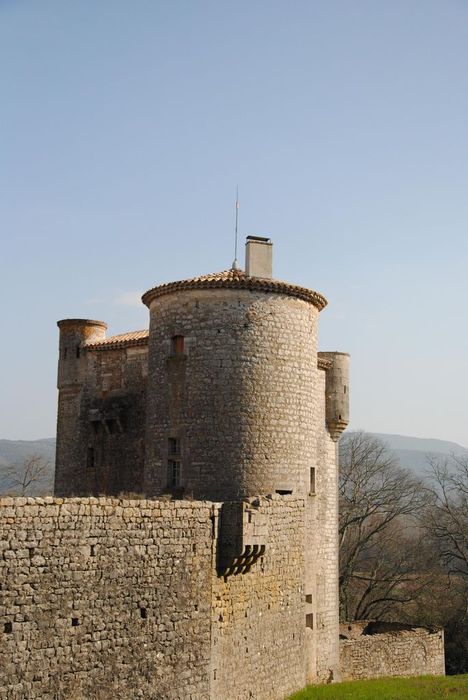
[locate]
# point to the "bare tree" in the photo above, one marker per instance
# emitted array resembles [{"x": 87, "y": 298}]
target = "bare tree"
[
  {"x": 447, "y": 515},
  {"x": 21, "y": 478},
  {"x": 379, "y": 535}
]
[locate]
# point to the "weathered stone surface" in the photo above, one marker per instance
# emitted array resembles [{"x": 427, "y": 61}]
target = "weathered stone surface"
[
  {"x": 119, "y": 598},
  {"x": 389, "y": 650}
]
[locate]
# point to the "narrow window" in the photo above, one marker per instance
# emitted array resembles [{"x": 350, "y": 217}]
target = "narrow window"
[
  {"x": 310, "y": 621},
  {"x": 77, "y": 350},
  {"x": 177, "y": 346},
  {"x": 174, "y": 446},
  {"x": 143, "y": 614},
  {"x": 174, "y": 472},
  {"x": 90, "y": 458},
  {"x": 65, "y": 350},
  {"x": 8, "y": 627},
  {"x": 312, "y": 480}
]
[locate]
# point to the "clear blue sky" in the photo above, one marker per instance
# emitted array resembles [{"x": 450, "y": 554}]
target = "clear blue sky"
[{"x": 125, "y": 127}]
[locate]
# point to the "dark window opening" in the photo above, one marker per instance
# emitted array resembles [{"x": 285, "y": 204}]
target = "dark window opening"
[
  {"x": 309, "y": 598},
  {"x": 65, "y": 350},
  {"x": 174, "y": 446},
  {"x": 74, "y": 622},
  {"x": 143, "y": 613},
  {"x": 111, "y": 424},
  {"x": 177, "y": 345},
  {"x": 312, "y": 480},
  {"x": 90, "y": 458},
  {"x": 77, "y": 350},
  {"x": 31, "y": 552},
  {"x": 284, "y": 492},
  {"x": 174, "y": 472},
  {"x": 92, "y": 550},
  {"x": 310, "y": 621},
  {"x": 8, "y": 627}
]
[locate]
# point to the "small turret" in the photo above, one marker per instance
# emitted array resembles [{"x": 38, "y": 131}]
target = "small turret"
[
  {"x": 74, "y": 332},
  {"x": 336, "y": 392}
]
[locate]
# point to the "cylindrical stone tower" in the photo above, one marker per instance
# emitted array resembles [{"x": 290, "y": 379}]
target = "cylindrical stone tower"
[
  {"x": 74, "y": 332},
  {"x": 232, "y": 386},
  {"x": 336, "y": 392}
]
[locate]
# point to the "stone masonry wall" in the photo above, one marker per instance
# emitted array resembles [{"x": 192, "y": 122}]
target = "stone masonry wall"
[
  {"x": 106, "y": 598},
  {"x": 413, "y": 652},
  {"x": 258, "y": 617}
]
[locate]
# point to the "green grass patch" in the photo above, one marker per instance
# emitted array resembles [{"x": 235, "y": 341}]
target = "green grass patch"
[{"x": 419, "y": 688}]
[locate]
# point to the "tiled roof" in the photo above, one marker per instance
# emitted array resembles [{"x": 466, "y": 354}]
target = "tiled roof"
[
  {"x": 120, "y": 341},
  {"x": 236, "y": 279}
]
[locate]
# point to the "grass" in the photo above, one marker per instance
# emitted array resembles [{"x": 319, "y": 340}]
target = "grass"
[{"x": 419, "y": 688}]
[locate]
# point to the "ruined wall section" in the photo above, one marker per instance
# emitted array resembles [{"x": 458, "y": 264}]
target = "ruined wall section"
[
  {"x": 241, "y": 394},
  {"x": 412, "y": 652},
  {"x": 106, "y": 598},
  {"x": 258, "y": 617}
]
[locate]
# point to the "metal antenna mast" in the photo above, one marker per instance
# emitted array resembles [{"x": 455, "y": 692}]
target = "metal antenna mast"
[{"x": 235, "y": 264}]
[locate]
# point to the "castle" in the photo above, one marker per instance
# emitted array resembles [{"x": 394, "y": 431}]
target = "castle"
[
  {"x": 224, "y": 399},
  {"x": 190, "y": 550}
]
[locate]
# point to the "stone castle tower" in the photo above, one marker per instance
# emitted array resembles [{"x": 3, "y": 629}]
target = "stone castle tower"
[{"x": 225, "y": 398}]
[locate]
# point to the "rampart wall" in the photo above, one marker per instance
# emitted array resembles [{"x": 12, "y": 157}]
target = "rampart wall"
[
  {"x": 394, "y": 651},
  {"x": 172, "y": 600}
]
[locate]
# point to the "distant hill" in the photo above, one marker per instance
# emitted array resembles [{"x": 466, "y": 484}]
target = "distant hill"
[
  {"x": 15, "y": 452},
  {"x": 412, "y": 451}
]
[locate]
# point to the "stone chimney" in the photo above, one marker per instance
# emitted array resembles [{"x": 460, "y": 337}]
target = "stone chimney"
[{"x": 258, "y": 257}]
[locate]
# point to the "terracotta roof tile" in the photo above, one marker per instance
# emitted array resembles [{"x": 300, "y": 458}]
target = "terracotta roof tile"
[
  {"x": 236, "y": 279},
  {"x": 115, "y": 342}
]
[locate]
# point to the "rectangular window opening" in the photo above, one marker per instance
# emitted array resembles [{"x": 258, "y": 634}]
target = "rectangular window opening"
[
  {"x": 77, "y": 350},
  {"x": 309, "y": 598},
  {"x": 74, "y": 622},
  {"x": 312, "y": 480},
  {"x": 177, "y": 345},
  {"x": 310, "y": 621},
  {"x": 90, "y": 458},
  {"x": 284, "y": 492},
  {"x": 143, "y": 613},
  {"x": 174, "y": 446},
  {"x": 174, "y": 472}
]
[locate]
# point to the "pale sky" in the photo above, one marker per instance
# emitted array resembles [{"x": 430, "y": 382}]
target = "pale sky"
[{"x": 125, "y": 127}]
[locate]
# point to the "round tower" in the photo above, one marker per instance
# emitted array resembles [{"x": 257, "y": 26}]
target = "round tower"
[
  {"x": 232, "y": 386},
  {"x": 74, "y": 333}
]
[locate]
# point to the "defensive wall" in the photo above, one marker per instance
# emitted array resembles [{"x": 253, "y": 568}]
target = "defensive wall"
[
  {"x": 379, "y": 649},
  {"x": 170, "y": 600}
]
